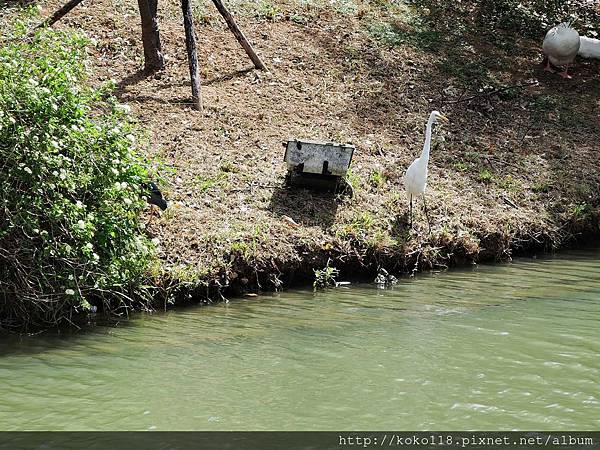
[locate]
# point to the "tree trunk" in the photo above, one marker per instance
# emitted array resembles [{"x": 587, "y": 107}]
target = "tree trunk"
[
  {"x": 190, "y": 43},
  {"x": 153, "y": 57}
]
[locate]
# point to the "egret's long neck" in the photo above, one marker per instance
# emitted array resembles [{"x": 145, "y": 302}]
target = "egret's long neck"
[{"x": 427, "y": 145}]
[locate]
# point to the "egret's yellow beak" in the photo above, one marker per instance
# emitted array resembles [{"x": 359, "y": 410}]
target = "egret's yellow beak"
[{"x": 443, "y": 118}]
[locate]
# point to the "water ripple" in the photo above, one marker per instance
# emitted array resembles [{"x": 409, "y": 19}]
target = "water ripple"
[{"x": 512, "y": 346}]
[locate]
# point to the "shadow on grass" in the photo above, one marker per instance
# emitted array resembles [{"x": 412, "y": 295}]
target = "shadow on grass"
[
  {"x": 228, "y": 76},
  {"x": 141, "y": 75},
  {"x": 305, "y": 206}
]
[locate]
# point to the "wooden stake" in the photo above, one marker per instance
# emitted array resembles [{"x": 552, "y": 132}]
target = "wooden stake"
[
  {"x": 239, "y": 35},
  {"x": 59, "y": 14},
  {"x": 190, "y": 43}
]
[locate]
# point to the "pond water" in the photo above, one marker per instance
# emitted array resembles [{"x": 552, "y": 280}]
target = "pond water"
[{"x": 513, "y": 346}]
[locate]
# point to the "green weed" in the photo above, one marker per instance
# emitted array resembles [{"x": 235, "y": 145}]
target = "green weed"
[
  {"x": 204, "y": 183},
  {"x": 360, "y": 225},
  {"x": 266, "y": 10},
  {"x": 461, "y": 166},
  {"x": 541, "y": 187},
  {"x": 325, "y": 277},
  {"x": 353, "y": 179},
  {"x": 485, "y": 176},
  {"x": 579, "y": 211},
  {"x": 377, "y": 178}
]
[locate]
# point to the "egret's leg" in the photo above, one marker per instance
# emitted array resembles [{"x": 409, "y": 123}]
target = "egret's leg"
[
  {"x": 426, "y": 213},
  {"x": 410, "y": 213},
  {"x": 547, "y": 67}
]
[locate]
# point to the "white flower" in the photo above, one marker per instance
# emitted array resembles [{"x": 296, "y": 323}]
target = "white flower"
[
  {"x": 79, "y": 204},
  {"x": 124, "y": 108},
  {"x": 127, "y": 201},
  {"x": 28, "y": 170},
  {"x": 89, "y": 246},
  {"x": 81, "y": 224},
  {"x": 70, "y": 292}
]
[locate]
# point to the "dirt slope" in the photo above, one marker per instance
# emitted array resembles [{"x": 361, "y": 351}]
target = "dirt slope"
[{"x": 517, "y": 167}]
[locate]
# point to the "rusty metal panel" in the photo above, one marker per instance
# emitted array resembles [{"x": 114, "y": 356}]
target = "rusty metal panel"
[{"x": 324, "y": 158}]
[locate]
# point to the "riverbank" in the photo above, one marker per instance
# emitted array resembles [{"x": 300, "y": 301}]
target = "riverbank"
[{"x": 516, "y": 170}]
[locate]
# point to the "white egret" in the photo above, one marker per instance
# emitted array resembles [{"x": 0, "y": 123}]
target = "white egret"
[
  {"x": 415, "y": 179},
  {"x": 560, "y": 46}
]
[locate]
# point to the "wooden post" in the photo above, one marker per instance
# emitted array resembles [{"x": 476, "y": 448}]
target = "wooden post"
[
  {"x": 153, "y": 57},
  {"x": 190, "y": 43},
  {"x": 59, "y": 14},
  {"x": 239, "y": 35}
]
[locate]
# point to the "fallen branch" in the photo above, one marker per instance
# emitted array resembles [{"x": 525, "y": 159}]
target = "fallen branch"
[
  {"x": 239, "y": 35},
  {"x": 59, "y": 14}
]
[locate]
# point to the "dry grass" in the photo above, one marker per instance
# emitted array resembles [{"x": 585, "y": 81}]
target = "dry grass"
[{"x": 366, "y": 73}]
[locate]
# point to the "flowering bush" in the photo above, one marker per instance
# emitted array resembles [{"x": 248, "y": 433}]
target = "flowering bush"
[{"x": 70, "y": 199}]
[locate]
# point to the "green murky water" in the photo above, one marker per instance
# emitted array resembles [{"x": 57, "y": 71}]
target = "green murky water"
[{"x": 497, "y": 347}]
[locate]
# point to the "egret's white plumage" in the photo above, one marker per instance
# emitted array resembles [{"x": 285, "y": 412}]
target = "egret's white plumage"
[
  {"x": 560, "y": 46},
  {"x": 415, "y": 179},
  {"x": 589, "y": 47}
]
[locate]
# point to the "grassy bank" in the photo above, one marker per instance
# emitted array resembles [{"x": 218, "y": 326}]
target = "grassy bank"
[{"x": 517, "y": 170}]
